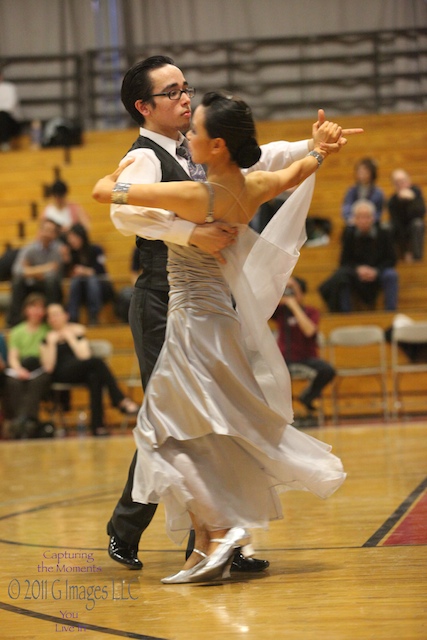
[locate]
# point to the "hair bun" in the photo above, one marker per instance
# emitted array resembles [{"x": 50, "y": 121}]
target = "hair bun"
[{"x": 248, "y": 153}]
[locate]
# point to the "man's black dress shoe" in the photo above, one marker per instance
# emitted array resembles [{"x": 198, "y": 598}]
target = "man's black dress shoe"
[
  {"x": 248, "y": 565},
  {"x": 121, "y": 551}
]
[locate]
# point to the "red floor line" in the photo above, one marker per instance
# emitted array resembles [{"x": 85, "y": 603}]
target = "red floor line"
[{"x": 412, "y": 528}]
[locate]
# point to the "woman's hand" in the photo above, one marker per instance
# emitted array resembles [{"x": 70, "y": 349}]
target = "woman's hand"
[
  {"x": 52, "y": 338},
  {"x": 104, "y": 187},
  {"x": 81, "y": 270},
  {"x": 68, "y": 333},
  {"x": 331, "y": 147},
  {"x": 328, "y": 133},
  {"x": 23, "y": 374}
]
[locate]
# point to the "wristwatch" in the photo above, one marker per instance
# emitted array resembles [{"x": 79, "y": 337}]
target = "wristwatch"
[{"x": 316, "y": 155}]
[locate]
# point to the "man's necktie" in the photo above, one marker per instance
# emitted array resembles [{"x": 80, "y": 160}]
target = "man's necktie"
[{"x": 196, "y": 171}]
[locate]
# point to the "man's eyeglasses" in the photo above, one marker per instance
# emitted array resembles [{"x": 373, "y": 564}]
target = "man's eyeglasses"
[{"x": 176, "y": 94}]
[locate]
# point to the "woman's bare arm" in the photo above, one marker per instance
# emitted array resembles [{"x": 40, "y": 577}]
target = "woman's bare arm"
[
  {"x": 49, "y": 351},
  {"x": 189, "y": 200},
  {"x": 266, "y": 185}
]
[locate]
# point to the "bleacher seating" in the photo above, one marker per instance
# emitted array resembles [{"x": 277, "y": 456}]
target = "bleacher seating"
[{"x": 394, "y": 140}]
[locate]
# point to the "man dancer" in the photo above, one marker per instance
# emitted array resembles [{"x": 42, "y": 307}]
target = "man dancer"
[{"x": 157, "y": 96}]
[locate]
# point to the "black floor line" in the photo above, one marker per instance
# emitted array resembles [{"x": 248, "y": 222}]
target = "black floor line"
[
  {"x": 79, "y": 625},
  {"x": 49, "y": 505},
  {"x": 376, "y": 538}
]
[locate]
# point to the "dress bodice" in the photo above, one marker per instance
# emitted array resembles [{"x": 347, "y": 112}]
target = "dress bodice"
[{"x": 196, "y": 282}]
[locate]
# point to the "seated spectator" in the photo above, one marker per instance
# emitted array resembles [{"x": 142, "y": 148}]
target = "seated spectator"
[
  {"x": 407, "y": 210},
  {"x": 6, "y": 263},
  {"x": 10, "y": 127},
  {"x": 89, "y": 282},
  {"x": 38, "y": 267},
  {"x": 298, "y": 326},
  {"x": 317, "y": 229},
  {"x": 415, "y": 351},
  {"x": 63, "y": 212},
  {"x": 26, "y": 381},
  {"x": 66, "y": 355},
  {"x": 268, "y": 209},
  {"x": 366, "y": 265},
  {"x": 366, "y": 174}
]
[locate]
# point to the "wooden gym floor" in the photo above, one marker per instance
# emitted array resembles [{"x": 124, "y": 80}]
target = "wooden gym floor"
[{"x": 348, "y": 568}]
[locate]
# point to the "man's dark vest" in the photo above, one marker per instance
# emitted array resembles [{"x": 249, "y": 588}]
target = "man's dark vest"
[{"x": 153, "y": 253}]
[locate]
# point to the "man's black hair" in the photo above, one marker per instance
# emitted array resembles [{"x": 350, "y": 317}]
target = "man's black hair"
[{"x": 137, "y": 84}]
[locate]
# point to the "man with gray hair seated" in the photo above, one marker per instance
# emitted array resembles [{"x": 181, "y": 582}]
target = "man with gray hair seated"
[{"x": 366, "y": 264}]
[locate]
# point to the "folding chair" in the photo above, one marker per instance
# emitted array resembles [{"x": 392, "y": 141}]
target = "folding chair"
[
  {"x": 358, "y": 351},
  {"x": 415, "y": 333}
]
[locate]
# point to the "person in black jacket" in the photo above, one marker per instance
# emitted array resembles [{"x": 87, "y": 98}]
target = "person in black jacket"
[
  {"x": 66, "y": 355},
  {"x": 89, "y": 281},
  {"x": 407, "y": 210},
  {"x": 366, "y": 265}
]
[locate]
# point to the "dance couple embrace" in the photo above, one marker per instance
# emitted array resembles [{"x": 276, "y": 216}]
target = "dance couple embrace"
[{"x": 214, "y": 440}]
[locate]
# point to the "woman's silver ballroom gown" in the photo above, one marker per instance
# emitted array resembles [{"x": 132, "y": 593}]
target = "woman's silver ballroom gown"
[{"x": 213, "y": 436}]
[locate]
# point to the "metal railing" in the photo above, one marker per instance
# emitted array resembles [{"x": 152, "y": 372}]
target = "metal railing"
[{"x": 369, "y": 72}]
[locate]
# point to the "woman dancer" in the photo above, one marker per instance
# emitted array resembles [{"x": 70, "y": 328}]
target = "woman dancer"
[{"x": 212, "y": 436}]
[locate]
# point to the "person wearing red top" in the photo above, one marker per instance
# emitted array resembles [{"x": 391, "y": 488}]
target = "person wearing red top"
[{"x": 298, "y": 327}]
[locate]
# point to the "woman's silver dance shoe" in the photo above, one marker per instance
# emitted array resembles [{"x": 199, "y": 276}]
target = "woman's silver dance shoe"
[
  {"x": 218, "y": 564},
  {"x": 184, "y": 575}
]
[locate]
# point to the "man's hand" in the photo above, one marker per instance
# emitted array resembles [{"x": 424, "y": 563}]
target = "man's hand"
[
  {"x": 104, "y": 187},
  {"x": 39, "y": 271},
  {"x": 330, "y": 147},
  {"x": 365, "y": 273},
  {"x": 328, "y": 134},
  {"x": 406, "y": 194},
  {"x": 213, "y": 237}
]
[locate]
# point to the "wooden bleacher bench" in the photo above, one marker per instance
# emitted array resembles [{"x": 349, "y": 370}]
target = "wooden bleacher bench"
[{"x": 394, "y": 140}]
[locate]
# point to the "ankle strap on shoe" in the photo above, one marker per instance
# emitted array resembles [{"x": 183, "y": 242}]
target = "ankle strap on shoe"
[{"x": 248, "y": 551}]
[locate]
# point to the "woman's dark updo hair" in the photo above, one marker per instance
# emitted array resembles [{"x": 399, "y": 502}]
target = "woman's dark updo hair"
[{"x": 231, "y": 119}]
